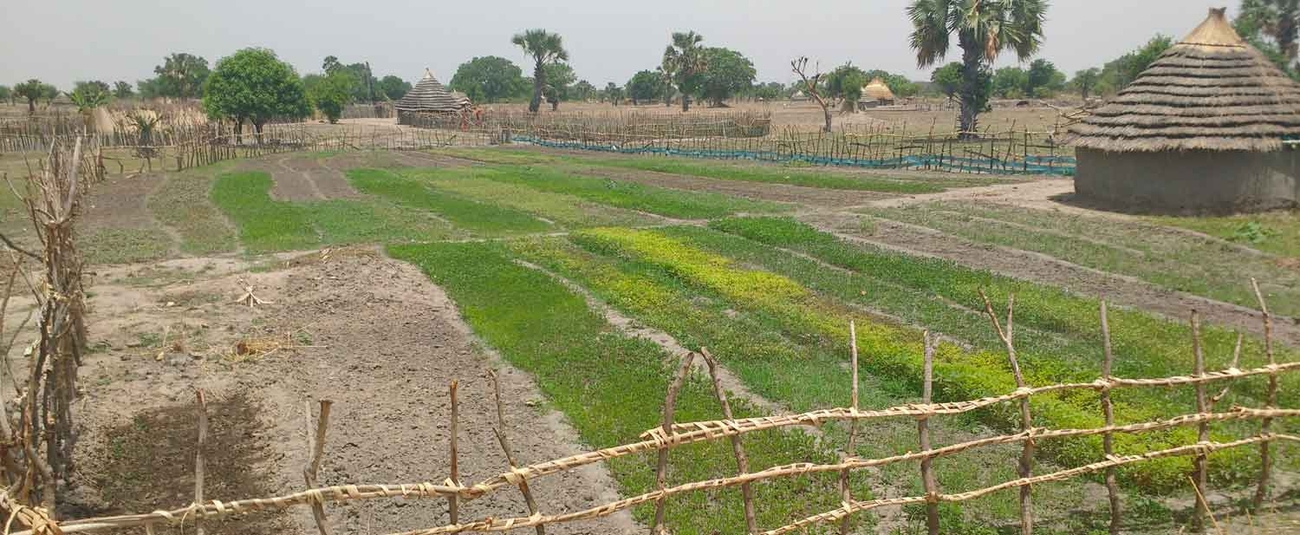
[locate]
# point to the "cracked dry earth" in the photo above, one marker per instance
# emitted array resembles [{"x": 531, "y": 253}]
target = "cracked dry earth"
[{"x": 372, "y": 334}]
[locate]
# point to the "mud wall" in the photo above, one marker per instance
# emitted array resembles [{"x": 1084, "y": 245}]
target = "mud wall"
[{"x": 1189, "y": 182}]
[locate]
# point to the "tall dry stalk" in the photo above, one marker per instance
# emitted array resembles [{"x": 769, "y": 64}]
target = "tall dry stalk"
[{"x": 38, "y": 425}]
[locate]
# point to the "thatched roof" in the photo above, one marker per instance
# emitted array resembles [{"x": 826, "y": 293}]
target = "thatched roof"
[
  {"x": 1211, "y": 91},
  {"x": 877, "y": 90},
  {"x": 430, "y": 95}
]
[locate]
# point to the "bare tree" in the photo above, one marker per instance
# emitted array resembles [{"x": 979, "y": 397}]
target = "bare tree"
[{"x": 800, "y": 67}]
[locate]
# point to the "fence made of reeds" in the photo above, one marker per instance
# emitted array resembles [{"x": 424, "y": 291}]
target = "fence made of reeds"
[{"x": 672, "y": 434}]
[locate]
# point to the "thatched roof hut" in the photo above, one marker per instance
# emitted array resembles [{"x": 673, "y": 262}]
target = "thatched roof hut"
[
  {"x": 878, "y": 91},
  {"x": 428, "y": 96},
  {"x": 1207, "y": 127}
]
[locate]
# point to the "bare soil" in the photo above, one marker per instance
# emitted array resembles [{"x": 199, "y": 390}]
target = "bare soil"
[
  {"x": 120, "y": 202},
  {"x": 163, "y": 330}
]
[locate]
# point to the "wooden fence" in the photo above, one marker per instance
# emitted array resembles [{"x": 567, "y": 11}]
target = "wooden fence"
[{"x": 672, "y": 435}]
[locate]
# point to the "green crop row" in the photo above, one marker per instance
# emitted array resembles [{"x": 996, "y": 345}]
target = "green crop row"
[
  {"x": 611, "y": 388},
  {"x": 477, "y": 217}
]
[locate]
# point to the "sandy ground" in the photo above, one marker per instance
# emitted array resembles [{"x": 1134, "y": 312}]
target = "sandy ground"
[{"x": 388, "y": 379}]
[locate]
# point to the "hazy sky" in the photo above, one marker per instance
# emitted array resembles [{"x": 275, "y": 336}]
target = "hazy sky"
[{"x": 61, "y": 41}]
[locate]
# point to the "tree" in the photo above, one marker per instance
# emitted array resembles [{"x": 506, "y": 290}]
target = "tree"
[
  {"x": 845, "y": 83},
  {"x": 6, "y": 94},
  {"x": 330, "y": 64},
  {"x": 1085, "y": 81},
  {"x": 488, "y": 79},
  {"x": 1044, "y": 79},
  {"x": 947, "y": 80},
  {"x": 684, "y": 59},
  {"x": 666, "y": 73},
  {"x": 181, "y": 76},
  {"x": 768, "y": 91},
  {"x": 544, "y": 47},
  {"x": 33, "y": 90},
  {"x": 614, "y": 93},
  {"x": 1120, "y": 72},
  {"x": 645, "y": 86},
  {"x": 728, "y": 73},
  {"x": 393, "y": 88},
  {"x": 330, "y": 93},
  {"x": 90, "y": 95},
  {"x": 812, "y": 86},
  {"x": 559, "y": 76},
  {"x": 984, "y": 28},
  {"x": 1279, "y": 20},
  {"x": 253, "y": 85},
  {"x": 583, "y": 90},
  {"x": 1010, "y": 82},
  {"x": 123, "y": 89}
]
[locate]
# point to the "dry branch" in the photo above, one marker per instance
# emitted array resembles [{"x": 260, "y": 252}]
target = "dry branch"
[
  {"x": 1265, "y": 452},
  {"x": 453, "y": 502},
  {"x": 500, "y": 431},
  {"x": 923, "y": 434},
  {"x": 661, "y": 466},
  {"x": 846, "y": 494},
  {"x": 1108, "y": 410},
  {"x": 1201, "y": 460},
  {"x": 198, "y": 457},
  {"x": 1026, "y": 466},
  {"x": 737, "y": 448},
  {"x": 316, "y": 451}
]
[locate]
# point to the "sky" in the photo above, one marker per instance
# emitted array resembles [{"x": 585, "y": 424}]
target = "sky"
[{"x": 60, "y": 41}]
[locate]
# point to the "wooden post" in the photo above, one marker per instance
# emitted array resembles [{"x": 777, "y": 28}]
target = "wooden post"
[
  {"x": 737, "y": 448},
  {"x": 198, "y": 457},
  {"x": 1027, "y": 424},
  {"x": 923, "y": 433},
  {"x": 453, "y": 502},
  {"x": 315, "y": 450},
  {"x": 1265, "y": 452},
  {"x": 500, "y": 431},
  {"x": 850, "y": 451},
  {"x": 1108, "y": 410},
  {"x": 1203, "y": 430},
  {"x": 661, "y": 469}
]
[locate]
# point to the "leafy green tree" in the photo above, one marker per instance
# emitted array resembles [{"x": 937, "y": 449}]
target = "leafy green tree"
[
  {"x": 181, "y": 76},
  {"x": 768, "y": 91},
  {"x": 559, "y": 79},
  {"x": 645, "y": 86},
  {"x": 488, "y": 79},
  {"x": 583, "y": 90},
  {"x": 330, "y": 93},
  {"x": 6, "y": 94},
  {"x": 729, "y": 72},
  {"x": 34, "y": 90},
  {"x": 148, "y": 89},
  {"x": 123, "y": 89},
  {"x": 90, "y": 95},
  {"x": 330, "y": 64},
  {"x": 394, "y": 88},
  {"x": 984, "y": 28},
  {"x": 1278, "y": 20},
  {"x": 1044, "y": 79},
  {"x": 253, "y": 85},
  {"x": 900, "y": 85},
  {"x": 947, "y": 80},
  {"x": 1085, "y": 81},
  {"x": 613, "y": 93},
  {"x": 545, "y": 48},
  {"x": 684, "y": 60},
  {"x": 1117, "y": 74},
  {"x": 1010, "y": 82},
  {"x": 845, "y": 83},
  {"x": 666, "y": 73}
]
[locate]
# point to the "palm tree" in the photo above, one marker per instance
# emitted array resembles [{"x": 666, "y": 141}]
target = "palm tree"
[
  {"x": 685, "y": 60},
  {"x": 1279, "y": 19},
  {"x": 984, "y": 28},
  {"x": 545, "y": 47}
]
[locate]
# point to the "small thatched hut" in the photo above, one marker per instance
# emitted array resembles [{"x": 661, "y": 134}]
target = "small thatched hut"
[
  {"x": 428, "y": 96},
  {"x": 799, "y": 96},
  {"x": 1208, "y": 127},
  {"x": 876, "y": 93}
]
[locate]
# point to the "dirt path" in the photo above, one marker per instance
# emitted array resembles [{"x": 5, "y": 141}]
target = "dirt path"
[
  {"x": 1122, "y": 290},
  {"x": 388, "y": 380},
  {"x": 1023, "y": 193}
]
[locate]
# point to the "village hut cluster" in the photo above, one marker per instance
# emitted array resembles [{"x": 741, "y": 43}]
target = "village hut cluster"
[
  {"x": 1210, "y": 127},
  {"x": 429, "y": 96}
]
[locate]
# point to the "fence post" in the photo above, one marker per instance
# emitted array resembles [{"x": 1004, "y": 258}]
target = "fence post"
[
  {"x": 1265, "y": 452},
  {"x": 661, "y": 469},
  {"x": 316, "y": 451},
  {"x": 1108, "y": 409},
  {"x": 923, "y": 433},
  {"x": 1202, "y": 430},
  {"x": 500, "y": 432},
  {"x": 742, "y": 461},
  {"x": 1027, "y": 424},
  {"x": 453, "y": 502},
  {"x": 851, "y": 450},
  {"x": 198, "y": 457}
]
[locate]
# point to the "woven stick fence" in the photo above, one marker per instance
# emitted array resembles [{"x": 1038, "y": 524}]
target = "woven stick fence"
[{"x": 672, "y": 435}]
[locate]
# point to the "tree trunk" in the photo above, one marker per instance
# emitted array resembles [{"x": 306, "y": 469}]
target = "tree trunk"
[
  {"x": 973, "y": 94},
  {"x": 539, "y": 78},
  {"x": 1287, "y": 32},
  {"x": 257, "y": 130},
  {"x": 826, "y": 110},
  {"x": 239, "y": 131},
  {"x": 31, "y": 106},
  {"x": 555, "y": 105},
  {"x": 686, "y": 102}
]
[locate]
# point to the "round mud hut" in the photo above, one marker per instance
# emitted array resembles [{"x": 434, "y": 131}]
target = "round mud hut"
[
  {"x": 428, "y": 96},
  {"x": 1210, "y": 127}
]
